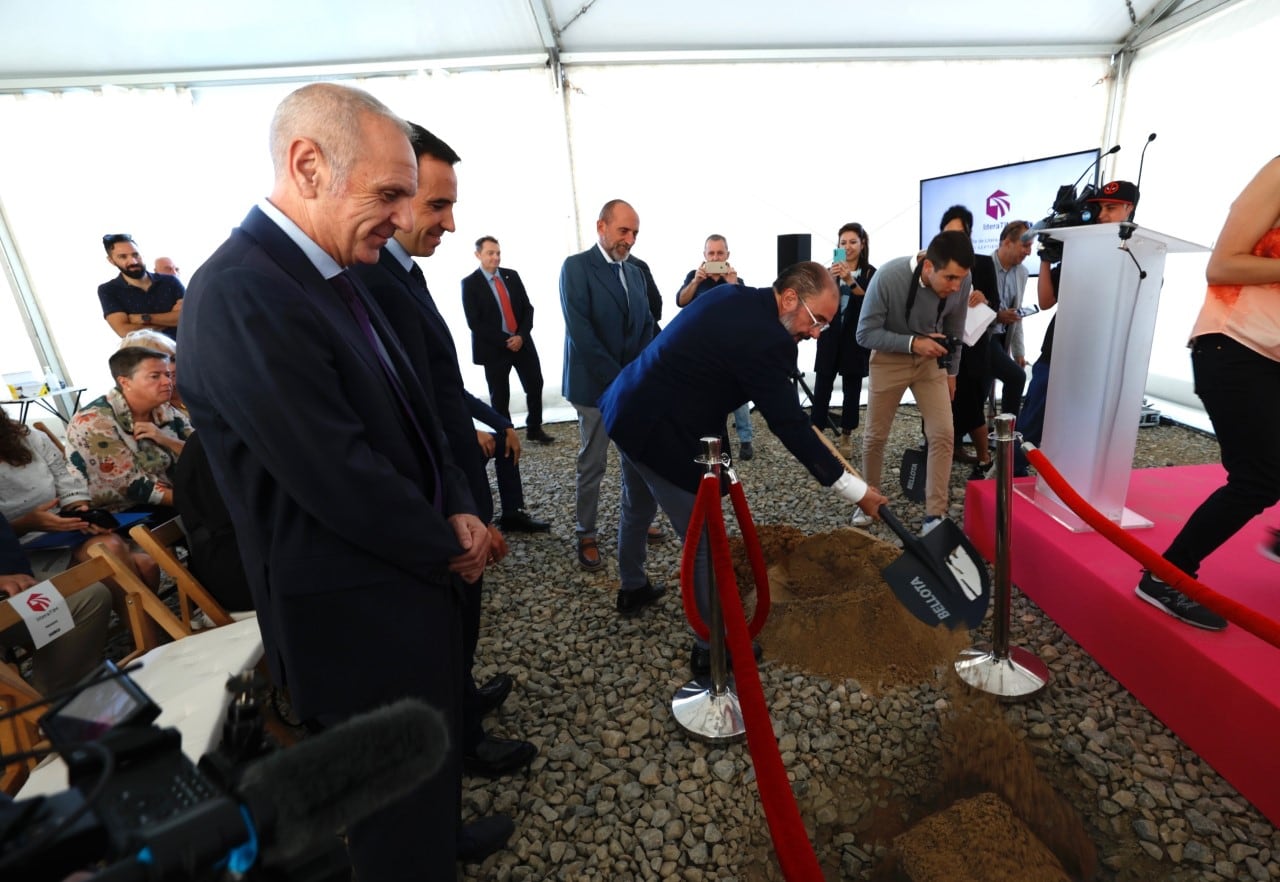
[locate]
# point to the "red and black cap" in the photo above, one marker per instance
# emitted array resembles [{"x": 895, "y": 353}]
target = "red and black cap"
[{"x": 1117, "y": 191}]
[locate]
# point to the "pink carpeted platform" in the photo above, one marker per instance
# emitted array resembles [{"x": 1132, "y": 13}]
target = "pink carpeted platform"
[{"x": 1220, "y": 692}]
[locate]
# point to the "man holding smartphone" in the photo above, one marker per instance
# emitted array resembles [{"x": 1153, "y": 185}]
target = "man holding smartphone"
[
  {"x": 1006, "y": 350},
  {"x": 714, "y": 270}
]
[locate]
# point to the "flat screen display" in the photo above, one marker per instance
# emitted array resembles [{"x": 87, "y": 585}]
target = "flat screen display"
[{"x": 1002, "y": 193}]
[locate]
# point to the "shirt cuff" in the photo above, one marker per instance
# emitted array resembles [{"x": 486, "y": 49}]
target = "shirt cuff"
[{"x": 850, "y": 487}]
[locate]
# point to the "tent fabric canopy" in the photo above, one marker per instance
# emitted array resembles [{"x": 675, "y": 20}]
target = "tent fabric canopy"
[{"x": 157, "y": 41}]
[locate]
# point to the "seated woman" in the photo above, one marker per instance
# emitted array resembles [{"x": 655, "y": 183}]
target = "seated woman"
[
  {"x": 125, "y": 444},
  {"x": 35, "y": 484},
  {"x": 149, "y": 338}
]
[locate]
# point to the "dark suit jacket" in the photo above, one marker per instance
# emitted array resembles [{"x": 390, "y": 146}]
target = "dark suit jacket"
[
  {"x": 428, "y": 341},
  {"x": 650, "y": 290},
  {"x": 605, "y": 327},
  {"x": 723, "y": 350},
  {"x": 326, "y": 482},
  {"x": 488, "y": 340}
]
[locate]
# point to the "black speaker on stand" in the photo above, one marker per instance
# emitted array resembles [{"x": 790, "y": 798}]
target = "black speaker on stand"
[{"x": 793, "y": 248}]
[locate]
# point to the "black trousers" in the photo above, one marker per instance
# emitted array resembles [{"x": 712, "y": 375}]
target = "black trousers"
[
  {"x": 529, "y": 370},
  {"x": 1237, "y": 386},
  {"x": 1006, "y": 370}
]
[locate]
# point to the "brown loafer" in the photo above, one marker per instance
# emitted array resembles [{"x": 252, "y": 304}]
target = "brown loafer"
[{"x": 589, "y": 553}]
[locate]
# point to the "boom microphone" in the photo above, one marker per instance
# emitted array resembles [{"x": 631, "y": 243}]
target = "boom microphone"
[
  {"x": 1093, "y": 165},
  {"x": 304, "y": 794}
]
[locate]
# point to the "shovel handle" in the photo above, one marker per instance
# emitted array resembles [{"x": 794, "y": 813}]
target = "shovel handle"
[{"x": 890, "y": 519}]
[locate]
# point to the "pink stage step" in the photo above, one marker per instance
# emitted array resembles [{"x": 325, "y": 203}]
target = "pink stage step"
[{"x": 1220, "y": 692}]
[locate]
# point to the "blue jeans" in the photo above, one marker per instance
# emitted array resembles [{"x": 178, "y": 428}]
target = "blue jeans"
[
  {"x": 1031, "y": 422},
  {"x": 742, "y": 423}
]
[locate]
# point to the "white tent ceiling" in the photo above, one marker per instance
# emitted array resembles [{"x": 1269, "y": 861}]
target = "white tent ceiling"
[{"x": 46, "y": 45}]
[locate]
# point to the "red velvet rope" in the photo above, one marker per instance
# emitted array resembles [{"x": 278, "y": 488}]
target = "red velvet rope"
[
  {"x": 1232, "y": 610},
  {"x": 790, "y": 840},
  {"x": 708, "y": 497},
  {"x": 751, "y": 540}
]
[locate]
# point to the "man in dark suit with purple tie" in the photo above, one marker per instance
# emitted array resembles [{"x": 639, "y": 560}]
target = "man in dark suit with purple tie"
[
  {"x": 358, "y": 531},
  {"x": 501, "y": 318}
]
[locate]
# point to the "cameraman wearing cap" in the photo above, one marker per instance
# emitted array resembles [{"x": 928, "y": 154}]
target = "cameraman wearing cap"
[
  {"x": 1116, "y": 202},
  {"x": 908, "y": 316}
]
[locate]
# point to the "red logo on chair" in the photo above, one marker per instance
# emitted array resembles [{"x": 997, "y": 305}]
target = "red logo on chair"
[{"x": 39, "y": 602}]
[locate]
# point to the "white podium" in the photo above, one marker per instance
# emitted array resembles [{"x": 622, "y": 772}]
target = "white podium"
[{"x": 1109, "y": 291}]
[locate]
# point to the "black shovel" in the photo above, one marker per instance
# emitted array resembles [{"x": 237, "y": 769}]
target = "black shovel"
[{"x": 940, "y": 578}]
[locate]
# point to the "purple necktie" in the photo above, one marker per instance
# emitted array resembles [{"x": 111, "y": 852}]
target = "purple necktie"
[{"x": 343, "y": 285}]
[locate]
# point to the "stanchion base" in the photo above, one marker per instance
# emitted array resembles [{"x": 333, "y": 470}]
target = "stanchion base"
[
  {"x": 707, "y": 715},
  {"x": 1021, "y": 675}
]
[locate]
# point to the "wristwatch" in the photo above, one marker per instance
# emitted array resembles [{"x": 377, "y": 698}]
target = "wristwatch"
[{"x": 146, "y": 318}]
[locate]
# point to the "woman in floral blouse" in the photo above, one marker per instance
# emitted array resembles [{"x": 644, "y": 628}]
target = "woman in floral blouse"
[{"x": 126, "y": 443}]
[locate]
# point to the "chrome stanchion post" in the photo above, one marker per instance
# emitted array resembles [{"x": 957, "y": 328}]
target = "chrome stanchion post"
[
  {"x": 1006, "y": 672},
  {"x": 709, "y": 711}
]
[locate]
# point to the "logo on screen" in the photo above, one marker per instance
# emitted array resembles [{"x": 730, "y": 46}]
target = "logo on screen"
[
  {"x": 997, "y": 205},
  {"x": 39, "y": 602}
]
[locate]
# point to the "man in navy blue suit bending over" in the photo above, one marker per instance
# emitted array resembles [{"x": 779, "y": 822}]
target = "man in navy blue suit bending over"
[{"x": 731, "y": 345}]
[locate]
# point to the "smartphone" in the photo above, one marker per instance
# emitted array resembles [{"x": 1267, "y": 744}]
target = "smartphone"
[
  {"x": 839, "y": 255},
  {"x": 1025, "y": 311},
  {"x": 716, "y": 267}
]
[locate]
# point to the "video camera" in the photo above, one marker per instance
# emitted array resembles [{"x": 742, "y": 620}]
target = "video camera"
[
  {"x": 137, "y": 807},
  {"x": 1069, "y": 210}
]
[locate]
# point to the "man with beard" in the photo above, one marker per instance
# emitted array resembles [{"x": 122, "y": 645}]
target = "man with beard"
[
  {"x": 730, "y": 345},
  {"x": 137, "y": 299},
  {"x": 607, "y": 323}
]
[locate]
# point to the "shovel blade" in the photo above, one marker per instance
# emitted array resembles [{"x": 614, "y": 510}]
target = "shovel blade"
[{"x": 941, "y": 579}]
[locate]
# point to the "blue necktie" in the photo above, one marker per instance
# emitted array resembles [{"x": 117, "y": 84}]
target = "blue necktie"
[
  {"x": 343, "y": 285},
  {"x": 626, "y": 299}
]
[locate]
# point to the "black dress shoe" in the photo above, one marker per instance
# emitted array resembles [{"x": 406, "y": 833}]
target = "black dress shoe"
[
  {"x": 494, "y": 757},
  {"x": 633, "y": 600},
  {"x": 479, "y": 839},
  {"x": 700, "y": 658},
  {"x": 489, "y": 697},
  {"x": 520, "y": 521},
  {"x": 540, "y": 436}
]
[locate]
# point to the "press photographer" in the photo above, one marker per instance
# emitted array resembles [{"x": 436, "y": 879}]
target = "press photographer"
[
  {"x": 912, "y": 324},
  {"x": 1114, "y": 203}
]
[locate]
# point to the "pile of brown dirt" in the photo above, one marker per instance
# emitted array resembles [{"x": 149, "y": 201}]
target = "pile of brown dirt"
[
  {"x": 981, "y": 753},
  {"x": 975, "y": 840},
  {"x": 834, "y": 615}
]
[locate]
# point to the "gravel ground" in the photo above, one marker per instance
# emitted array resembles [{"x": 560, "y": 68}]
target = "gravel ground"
[{"x": 618, "y": 792}]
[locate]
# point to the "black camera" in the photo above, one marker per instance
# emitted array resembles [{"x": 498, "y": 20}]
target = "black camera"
[
  {"x": 952, "y": 345},
  {"x": 1069, "y": 210},
  {"x": 99, "y": 517}
]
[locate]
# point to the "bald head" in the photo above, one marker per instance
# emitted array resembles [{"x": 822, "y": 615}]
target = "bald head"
[
  {"x": 344, "y": 170},
  {"x": 617, "y": 228},
  {"x": 330, "y": 116}
]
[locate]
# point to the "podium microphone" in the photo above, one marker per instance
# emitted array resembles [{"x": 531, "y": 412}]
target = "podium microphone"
[{"x": 1141, "y": 161}]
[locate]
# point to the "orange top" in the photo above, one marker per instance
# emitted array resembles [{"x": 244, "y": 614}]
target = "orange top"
[{"x": 1248, "y": 314}]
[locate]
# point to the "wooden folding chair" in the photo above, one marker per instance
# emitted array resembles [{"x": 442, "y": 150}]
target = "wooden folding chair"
[
  {"x": 57, "y": 442},
  {"x": 20, "y": 733},
  {"x": 159, "y": 544}
]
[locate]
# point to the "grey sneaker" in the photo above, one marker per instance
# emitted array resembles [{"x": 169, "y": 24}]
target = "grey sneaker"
[{"x": 1177, "y": 604}]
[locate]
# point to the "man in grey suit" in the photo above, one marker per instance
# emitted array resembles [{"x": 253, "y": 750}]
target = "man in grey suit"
[{"x": 607, "y": 323}]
